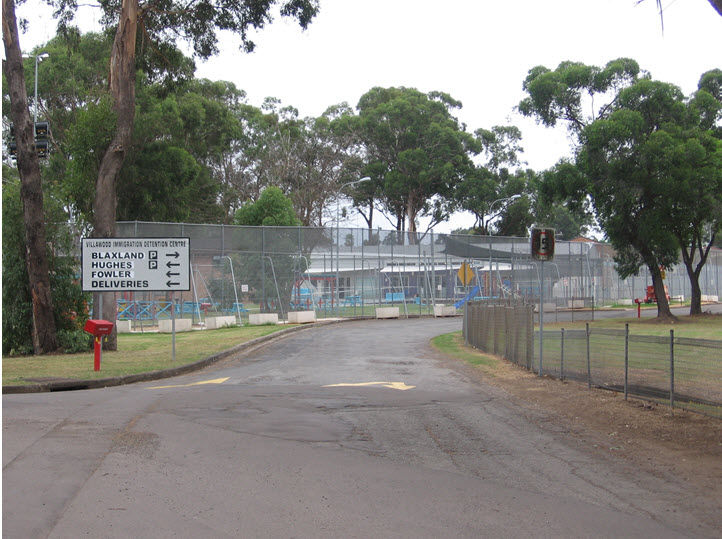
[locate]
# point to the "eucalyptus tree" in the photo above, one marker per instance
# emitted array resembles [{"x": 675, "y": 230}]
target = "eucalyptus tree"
[
  {"x": 417, "y": 151},
  {"x": 686, "y": 158},
  {"x": 157, "y": 26},
  {"x": 572, "y": 93},
  {"x": 44, "y": 334},
  {"x": 266, "y": 152},
  {"x": 484, "y": 190},
  {"x": 322, "y": 166},
  {"x": 653, "y": 171}
]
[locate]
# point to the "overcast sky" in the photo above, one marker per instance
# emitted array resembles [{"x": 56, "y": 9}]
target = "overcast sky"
[{"x": 477, "y": 51}]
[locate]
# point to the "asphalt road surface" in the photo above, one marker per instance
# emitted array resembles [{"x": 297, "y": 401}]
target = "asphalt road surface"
[{"x": 356, "y": 429}]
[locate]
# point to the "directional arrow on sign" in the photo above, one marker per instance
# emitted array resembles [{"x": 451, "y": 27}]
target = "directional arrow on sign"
[
  {"x": 169, "y": 273},
  {"x": 174, "y": 255},
  {"x": 171, "y": 264},
  {"x": 169, "y": 284}
]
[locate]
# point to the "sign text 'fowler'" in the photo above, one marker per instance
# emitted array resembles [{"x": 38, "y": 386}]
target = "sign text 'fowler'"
[{"x": 136, "y": 264}]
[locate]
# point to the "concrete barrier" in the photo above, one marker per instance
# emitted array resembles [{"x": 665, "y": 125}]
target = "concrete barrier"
[
  {"x": 574, "y": 304},
  {"x": 548, "y": 307},
  {"x": 625, "y": 301},
  {"x": 713, "y": 299},
  {"x": 679, "y": 298},
  {"x": 301, "y": 317},
  {"x": 387, "y": 312},
  {"x": 122, "y": 326},
  {"x": 262, "y": 319},
  {"x": 444, "y": 310},
  {"x": 218, "y": 322},
  {"x": 181, "y": 324}
]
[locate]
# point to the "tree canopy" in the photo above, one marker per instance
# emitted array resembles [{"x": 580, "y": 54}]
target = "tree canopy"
[
  {"x": 416, "y": 151},
  {"x": 648, "y": 160},
  {"x": 272, "y": 208}
]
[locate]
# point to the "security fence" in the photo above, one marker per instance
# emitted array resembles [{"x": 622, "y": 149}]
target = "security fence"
[
  {"x": 681, "y": 372},
  {"x": 349, "y": 272}
]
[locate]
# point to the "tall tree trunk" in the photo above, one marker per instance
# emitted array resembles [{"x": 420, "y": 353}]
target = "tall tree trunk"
[
  {"x": 688, "y": 256},
  {"x": 122, "y": 88},
  {"x": 31, "y": 191},
  {"x": 695, "y": 306},
  {"x": 412, "y": 212},
  {"x": 663, "y": 311}
]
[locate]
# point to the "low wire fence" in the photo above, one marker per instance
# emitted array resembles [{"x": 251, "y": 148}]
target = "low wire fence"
[{"x": 682, "y": 372}]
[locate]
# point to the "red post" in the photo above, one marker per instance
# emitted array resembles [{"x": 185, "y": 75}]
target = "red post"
[
  {"x": 98, "y": 328},
  {"x": 98, "y": 350}
]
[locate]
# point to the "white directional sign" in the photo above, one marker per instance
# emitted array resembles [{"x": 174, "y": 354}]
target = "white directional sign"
[{"x": 135, "y": 264}]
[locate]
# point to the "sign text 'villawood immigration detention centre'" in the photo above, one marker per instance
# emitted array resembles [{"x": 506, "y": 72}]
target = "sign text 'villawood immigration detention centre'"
[{"x": 135, "y": 264}]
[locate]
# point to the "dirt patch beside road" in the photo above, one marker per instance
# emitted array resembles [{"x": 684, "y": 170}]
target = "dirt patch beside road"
[{"x": 674, "y": 444}]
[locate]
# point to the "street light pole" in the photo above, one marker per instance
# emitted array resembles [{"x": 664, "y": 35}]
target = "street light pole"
[
  {"x": 38, "y": 58},
  {"x": 338, "y": 239},
  {"x": 506, "y": 199}
]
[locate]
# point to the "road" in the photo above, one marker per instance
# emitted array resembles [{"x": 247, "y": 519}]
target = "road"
[{"x": 356, "y": 429}]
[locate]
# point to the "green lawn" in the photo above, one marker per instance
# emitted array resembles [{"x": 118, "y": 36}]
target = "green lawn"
[
  {"x": 691, "y": 327},
  {"x": 137, "y": 352}
]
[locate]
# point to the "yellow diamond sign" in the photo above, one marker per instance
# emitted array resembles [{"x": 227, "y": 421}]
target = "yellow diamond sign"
[{"x": 465, "y": 273}]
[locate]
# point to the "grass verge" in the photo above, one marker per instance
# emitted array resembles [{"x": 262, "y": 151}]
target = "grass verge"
[
  {"x": 137, "y": 353},
  {"x": 452, "y": 344},
  {"x": 703, "y": 326}
]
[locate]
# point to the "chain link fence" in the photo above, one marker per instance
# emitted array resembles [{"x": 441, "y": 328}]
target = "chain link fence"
[{"x": 342, "y": 272}]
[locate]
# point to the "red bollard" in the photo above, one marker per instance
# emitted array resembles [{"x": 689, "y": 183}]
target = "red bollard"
[{"x": 639, "y": 307}]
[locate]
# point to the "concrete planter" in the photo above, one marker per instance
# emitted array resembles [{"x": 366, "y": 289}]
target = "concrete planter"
[
  {"x": 444, "y": 310},
  {"x": 217, "y": 322},
  {"x": 181, "y": 324},
  {"x": 548, "y": 308},
  {"x": 387, "y": 312},
  {"x": 122, "y": 326},
  {"x": 301, "y": 317},
  {"x": 261, "y": 319}
]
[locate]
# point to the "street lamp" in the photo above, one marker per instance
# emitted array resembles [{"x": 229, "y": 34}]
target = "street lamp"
[
  {"x": 38, "y": 58},
  {"x": 512, "y": 197},
  {"x": 506, "y": 199},
  {"x": 338, "y": 240}
]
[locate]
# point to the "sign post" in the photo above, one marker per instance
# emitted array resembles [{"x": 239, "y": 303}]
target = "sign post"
[
  {"x": 542, "y": 249},
  {"x": 136, "y": 265}
]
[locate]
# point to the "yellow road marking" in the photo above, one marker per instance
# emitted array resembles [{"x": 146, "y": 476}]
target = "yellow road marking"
[
  {"x": 391, "y": 385},
  {"x": 216, "y": 381}
]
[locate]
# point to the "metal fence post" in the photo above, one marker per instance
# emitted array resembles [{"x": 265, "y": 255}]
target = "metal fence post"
[
  {"x": 626, "y": 360},
  {"x": 541, "y": 318},
  {"x": 466, "y": 323},
  {"x": 589, "y": 361},
  {"x": 561, "y": 367},
  {"x": 671, "y": 368}
]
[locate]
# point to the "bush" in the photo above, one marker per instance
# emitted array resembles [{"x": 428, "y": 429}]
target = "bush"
[
  {"x": 69, "y": 302},
  {"x": 74, "y": 341}
]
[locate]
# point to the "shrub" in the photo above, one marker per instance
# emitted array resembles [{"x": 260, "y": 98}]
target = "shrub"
[
  {"x": 74, "y": 341},
  {"x": 69, "y": 302}
]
